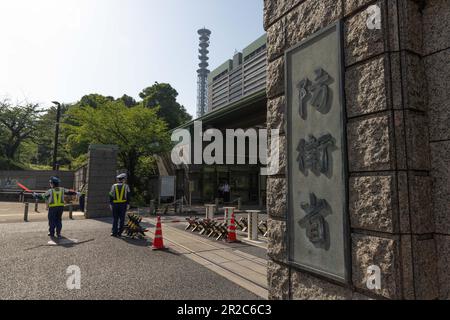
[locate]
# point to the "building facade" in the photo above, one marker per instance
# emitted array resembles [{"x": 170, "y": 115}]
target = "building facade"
[
  {"x": 240, "y": 77},
  {"x": 236, "y": 100}
]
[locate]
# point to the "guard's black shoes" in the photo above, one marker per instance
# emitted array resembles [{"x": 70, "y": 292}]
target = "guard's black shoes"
[
  {"x": 59, "y": 236},
  {"x": 114, "y": 235}
]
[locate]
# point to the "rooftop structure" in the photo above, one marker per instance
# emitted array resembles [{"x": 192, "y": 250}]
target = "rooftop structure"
[
  {"x": 203, "y": 72},
  {"x": 240, "y": 77}
]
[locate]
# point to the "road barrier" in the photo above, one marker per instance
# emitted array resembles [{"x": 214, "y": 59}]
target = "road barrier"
[
  {"x": 208, "y": 227},
  {"x": 218, "y": 228},
  {"x": 133, "y": 227}
]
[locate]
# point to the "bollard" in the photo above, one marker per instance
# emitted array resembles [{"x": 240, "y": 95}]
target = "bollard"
[
  {"x": 181, "y": 206},
  {"x": 239, "y": 203},
  {"x": 216, "y": 210},
  {"x": 253, "y": 224},
  {"x": 152, "y": 207},
  {"x": 25, "y": 214},
  {"x": 71, "y": 212},
  {"x": 210, "y": 208},
  {"x": 36, "y": 205}
]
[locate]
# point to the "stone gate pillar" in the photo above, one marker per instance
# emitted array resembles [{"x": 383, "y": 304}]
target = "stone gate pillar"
[
  {"x": 101, "y": 174},
  {"x": 396, "y": 62}
]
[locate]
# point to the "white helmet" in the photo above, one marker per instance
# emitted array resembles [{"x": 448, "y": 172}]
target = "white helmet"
[{"x": 122, "y": 176}]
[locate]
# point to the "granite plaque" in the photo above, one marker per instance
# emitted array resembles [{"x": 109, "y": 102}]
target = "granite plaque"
[{"x": 317, "y": 173}]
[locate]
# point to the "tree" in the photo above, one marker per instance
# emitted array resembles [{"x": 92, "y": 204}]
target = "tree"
[
  {"x": 45, "y": 135},
  {"x": 162, "y": 95},
  {"x": 94, "y": 100},
  {"x": 17, "y": 125},
  {"x": 128, "y": 101},
  {"x": 137, "y": 131}
]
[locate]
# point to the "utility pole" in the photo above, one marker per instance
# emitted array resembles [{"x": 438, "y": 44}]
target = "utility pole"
[{"x": 55, "y": 147}]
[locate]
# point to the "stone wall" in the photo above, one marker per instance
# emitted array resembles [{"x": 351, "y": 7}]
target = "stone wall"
[
  {"x": 101, "y": 175},
  {"x": 436, "y": 59},
  {"x": 396, "y": 87},
  {"x": 34, "y": 180}
]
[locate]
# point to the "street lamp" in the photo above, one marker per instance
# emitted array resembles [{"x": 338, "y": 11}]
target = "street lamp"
[{"x": 55, "y": 147}]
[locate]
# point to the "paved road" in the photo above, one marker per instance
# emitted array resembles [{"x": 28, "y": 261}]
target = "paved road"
[{"x": 110, "y": 268}]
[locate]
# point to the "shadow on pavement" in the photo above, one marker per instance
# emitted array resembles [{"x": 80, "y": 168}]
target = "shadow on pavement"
[
  {"x": 147, "y": 243},
  {"x": 136, "y": 242},
  {"x": 64, "y": 242}
]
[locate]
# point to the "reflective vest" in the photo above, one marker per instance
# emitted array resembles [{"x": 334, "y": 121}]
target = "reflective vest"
[
  {"x": 57, "y": 198},
  {"x": 83, "y": 190},
  {"x": 120, "y": 196}
]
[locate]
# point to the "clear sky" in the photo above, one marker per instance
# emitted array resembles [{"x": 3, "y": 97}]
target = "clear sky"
[{"x": 63, "y": 49}]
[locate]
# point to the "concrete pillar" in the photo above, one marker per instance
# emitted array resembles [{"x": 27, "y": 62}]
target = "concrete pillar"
[
  {"x": 210, "y": 211},
  {"x": 101, "y": 174},
  {"x": 253, "y": 220}
]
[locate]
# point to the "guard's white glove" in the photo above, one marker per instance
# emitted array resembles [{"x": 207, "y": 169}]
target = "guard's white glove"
[
  {"x": 128, "y": 207},
  {"x": 110, "y": 207}
]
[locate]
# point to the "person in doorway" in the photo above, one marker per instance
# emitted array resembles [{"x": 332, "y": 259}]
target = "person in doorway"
[
  {"x": 226, "y": 192},
  {"x": 119, "y": 203},
  {"x": 220, "y": 191}
]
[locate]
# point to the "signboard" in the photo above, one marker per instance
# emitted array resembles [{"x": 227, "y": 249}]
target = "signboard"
[
  {"x": 317, "y": 178},
  {"x": 167, "y": 187}
]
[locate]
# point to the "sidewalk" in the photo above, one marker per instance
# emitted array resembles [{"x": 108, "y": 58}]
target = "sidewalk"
[
  {"x": 13, "y": 212},
  {"x": 227, "y": 260}
]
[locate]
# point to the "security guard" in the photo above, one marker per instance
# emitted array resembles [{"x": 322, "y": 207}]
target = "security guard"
[
  {"x": 54, "y": 198},
  {"x": 119, "y": 200},
  {"x": 82, "y": 197}
]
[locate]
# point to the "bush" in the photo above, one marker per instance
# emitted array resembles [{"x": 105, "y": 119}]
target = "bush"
[
  {"x": 6, "y": 164},
  {"x": 138, "y": 201}
]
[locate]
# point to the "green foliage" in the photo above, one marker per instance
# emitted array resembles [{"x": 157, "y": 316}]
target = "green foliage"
[
  {"x": 137, "y": 131},
  {"x": 7, "y": 164},
  {"x": 94, "y": 100},
  {"x": 128, "y": 101},
  {"x": 17, "y": 125},
  {"x": 139, "y": 128},
  {"x": 162, "y": 95},
  {"x": 44, "y": 139}
]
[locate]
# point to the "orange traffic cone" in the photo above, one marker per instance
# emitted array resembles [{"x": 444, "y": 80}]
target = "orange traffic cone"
[
  {"x": 232, "y": 230},
  {"x": 158, "y": 243}
]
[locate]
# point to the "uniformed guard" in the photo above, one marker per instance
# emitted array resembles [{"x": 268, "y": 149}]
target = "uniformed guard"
[
  {"x": 119, "y": 200},
  {"x": 82, "y": 197},
  {"x": 54, "y": 198}
]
